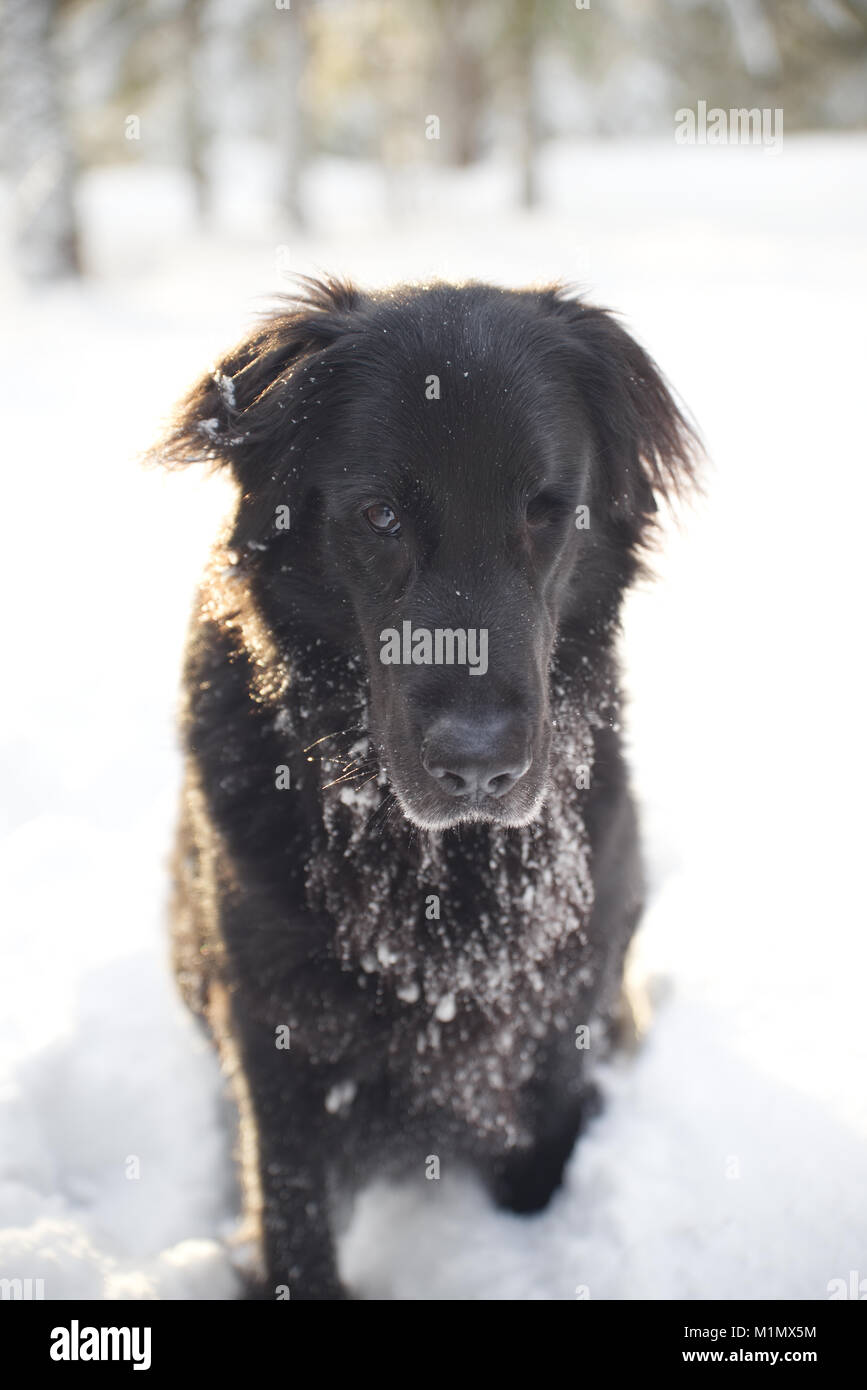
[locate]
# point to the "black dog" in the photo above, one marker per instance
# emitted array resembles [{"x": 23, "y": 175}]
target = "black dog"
[{"x": 408, "y": 868}]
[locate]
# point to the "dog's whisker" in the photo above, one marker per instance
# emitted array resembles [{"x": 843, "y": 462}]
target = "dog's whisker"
[
  {"x": 344, "y": 777},
  {"x": 338, "y": 733},
  {"x": 384, "y": 810}
]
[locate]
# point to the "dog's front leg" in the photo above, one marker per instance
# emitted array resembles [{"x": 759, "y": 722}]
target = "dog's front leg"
[
  {"x": 286, "y": 1140},
  {"x": 297, "y": 1235}
]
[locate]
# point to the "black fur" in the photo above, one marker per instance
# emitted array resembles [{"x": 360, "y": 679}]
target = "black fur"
[{"x": 413, "y": 1035}]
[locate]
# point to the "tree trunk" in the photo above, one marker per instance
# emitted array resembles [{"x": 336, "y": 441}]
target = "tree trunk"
[
  {"x": 40, "y": 150},
  {"x": 528, "y": 103},
  {"x": 194, "y": 122},
  {"x": 459, "y": 79},
  {"x": 291, "y": 125}
]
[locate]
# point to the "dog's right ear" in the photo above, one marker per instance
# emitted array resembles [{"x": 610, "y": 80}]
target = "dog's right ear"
[{"x": 240, "y": 413}]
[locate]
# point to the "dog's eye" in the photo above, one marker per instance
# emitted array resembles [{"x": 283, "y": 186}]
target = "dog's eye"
[
  {"x": 543, "y": 508},
  {"x": 383, "y": 519}
]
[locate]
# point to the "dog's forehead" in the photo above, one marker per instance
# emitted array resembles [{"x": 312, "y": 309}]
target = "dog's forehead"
[
  {"x": 450, "y": 388},
  {"x": 452, "y": 340}
]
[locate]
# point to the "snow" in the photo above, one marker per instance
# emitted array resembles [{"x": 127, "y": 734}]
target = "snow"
[
  {"x": 730, "y": 1159},
  {"x": 340, "y": 1097}
]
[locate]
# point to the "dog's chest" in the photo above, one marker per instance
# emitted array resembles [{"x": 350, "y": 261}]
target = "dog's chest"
[
  {"x": 477, "y": 953},
  {"x": 487, "y": 1070}
]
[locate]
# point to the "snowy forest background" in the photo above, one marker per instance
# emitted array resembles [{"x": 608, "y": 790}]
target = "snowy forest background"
[
  {"x": 165, "y": 168},
  {"x": 206, "y": 86}
]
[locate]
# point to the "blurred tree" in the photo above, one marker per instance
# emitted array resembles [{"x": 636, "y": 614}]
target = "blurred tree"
[
  {"x": 460, "y": 77},
  {"x": 807, "y": 56},
  {"x": 292, "y": 54},
  {"x": 39, "y": 149},
  {"x": 193, "y": 38},
  {"x": 523, "y": 27}
]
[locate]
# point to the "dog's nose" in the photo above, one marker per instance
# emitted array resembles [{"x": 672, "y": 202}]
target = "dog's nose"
[{"x": 476, "y": 757}]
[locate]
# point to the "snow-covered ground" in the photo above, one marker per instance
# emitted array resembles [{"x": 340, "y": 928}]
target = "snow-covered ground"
[{"x": 731, "y": 1159}]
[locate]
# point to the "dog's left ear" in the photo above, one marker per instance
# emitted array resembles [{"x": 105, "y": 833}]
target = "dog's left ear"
[{"x": 646, "y": 449}]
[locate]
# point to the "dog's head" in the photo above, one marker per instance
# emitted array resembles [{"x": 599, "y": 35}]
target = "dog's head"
[{"x": 451, "y": 483}]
